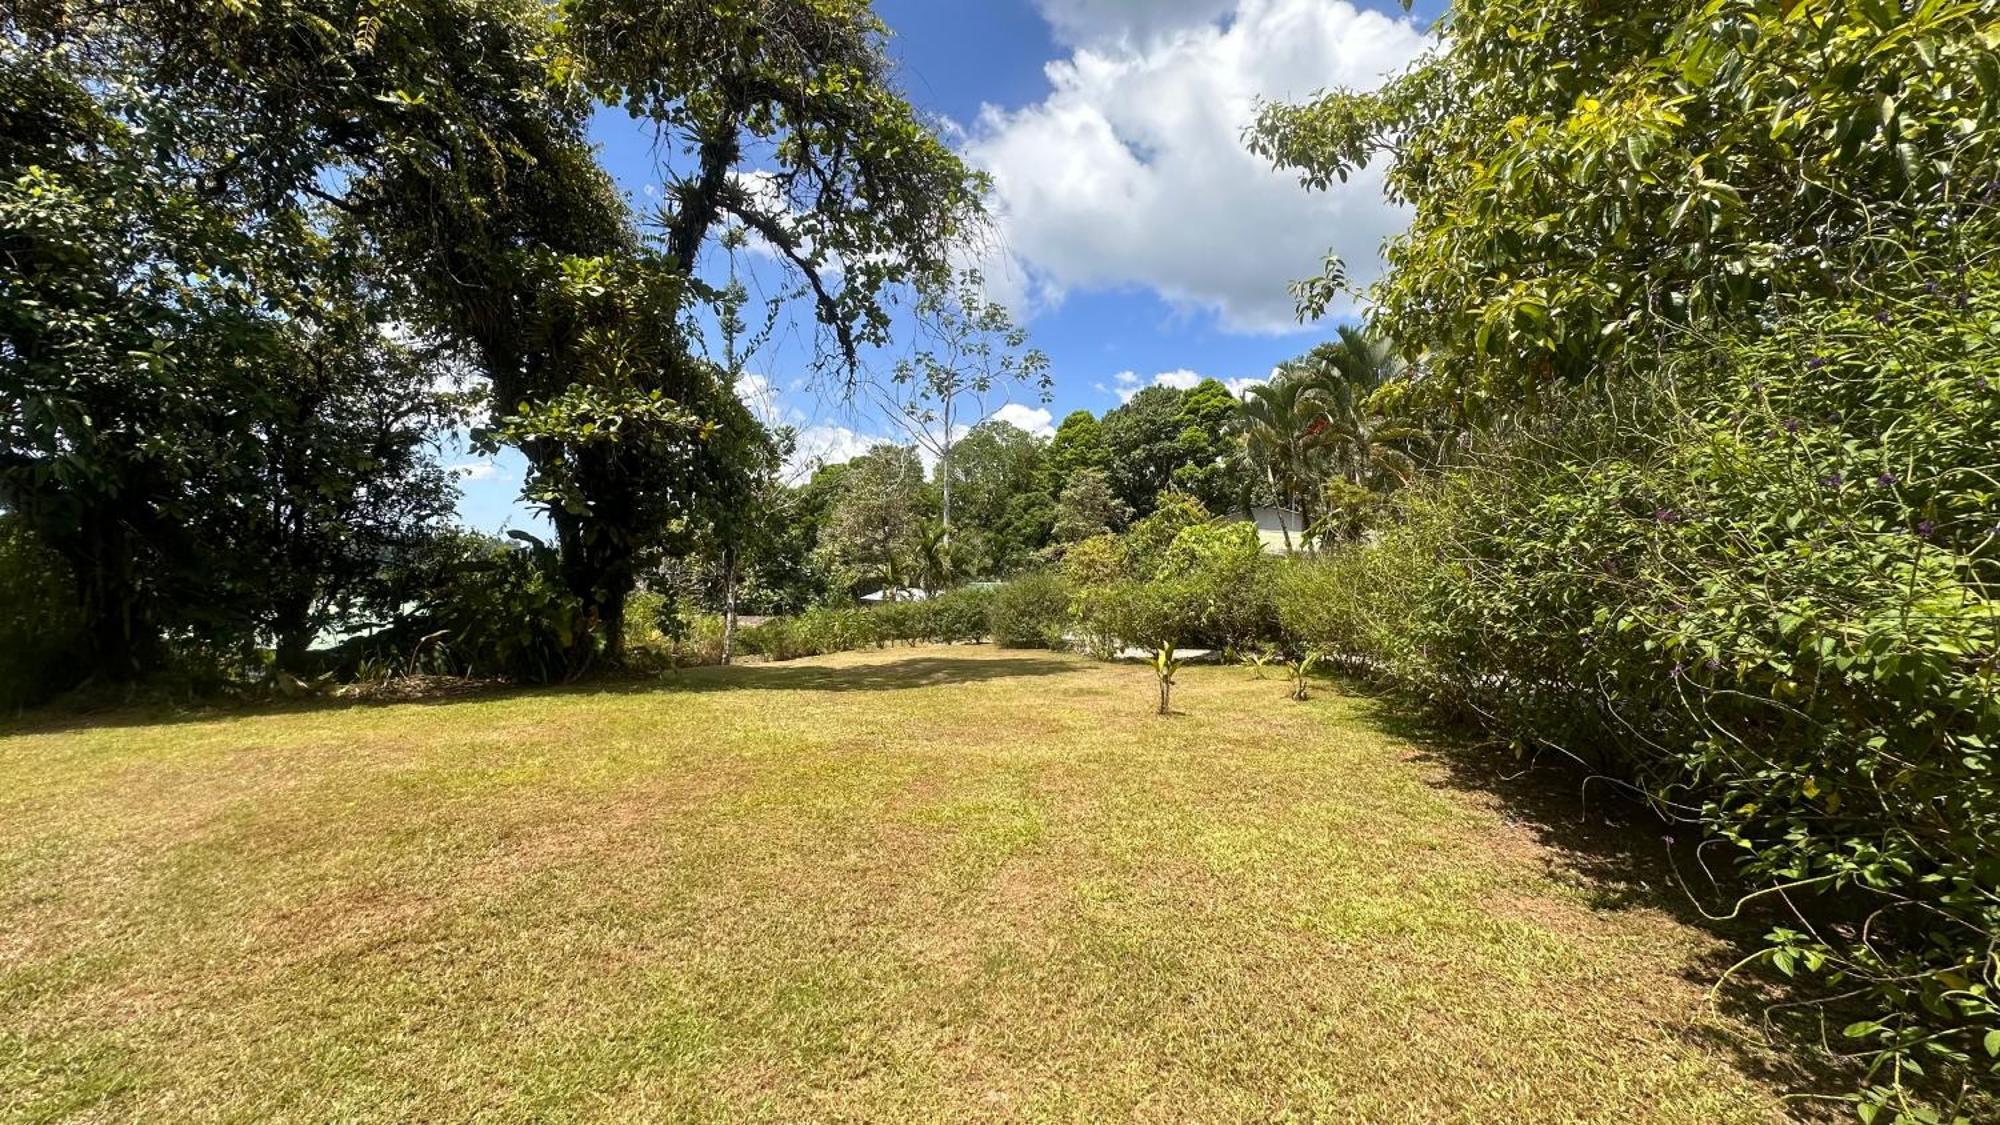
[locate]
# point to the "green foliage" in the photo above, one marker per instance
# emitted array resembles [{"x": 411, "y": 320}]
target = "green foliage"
[
  {"x": 1581, "y": 172},
  {"x": 873, "y": 534},
  {"x": 1166, "y": 439},
  {"x": 1763, "y": 593},
  {"x": 41, "y": 630},
  {"x": 1031, "y": 611},
  {"x": 487, "y": 608},
  {"x": 815, "y": 632},
  {"x": 1146, "y": 545},
  {"x": 1087, "y": 508},
  {"x": 953, "y": 617},
  {"x": 1002, "y": 513}
]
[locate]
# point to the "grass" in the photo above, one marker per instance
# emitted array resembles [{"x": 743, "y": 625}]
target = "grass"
[{"x": 906, "y": 885}]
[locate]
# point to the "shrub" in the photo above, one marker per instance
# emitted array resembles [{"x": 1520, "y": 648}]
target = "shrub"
[
  {"x": 1030, "y": 612},
  {"x": 815, "y": 632},
  {"x": 1229, "y": 579},
  {"x": 959, "y": 616},
  {"x": 1764, "y": 595}
]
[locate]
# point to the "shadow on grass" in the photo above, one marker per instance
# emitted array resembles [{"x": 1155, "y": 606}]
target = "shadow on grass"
[
  {"x": 902, "y": 674},
  {"x": 1624, "y": 856},
  {"x": 897, "y": 674}
]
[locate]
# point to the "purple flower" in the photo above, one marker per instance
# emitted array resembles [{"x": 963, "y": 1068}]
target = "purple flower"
[
  {"x": 1666, "y": 515},
  {"x": 1713, "y": 665},
  {"x": 1882, "y": 316},
  {"x": 1925, "y": 529},
  {"x": 1888, "y": 480},
  {"x": 1815, "y": 363},
  {"x": 1793, "y": 425},
  {"x": 1680, "y": 670},
  {"x": 1833, "y": 480}
]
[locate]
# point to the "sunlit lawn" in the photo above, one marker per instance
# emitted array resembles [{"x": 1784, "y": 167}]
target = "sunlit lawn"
[{"x": 903, "y": 885}]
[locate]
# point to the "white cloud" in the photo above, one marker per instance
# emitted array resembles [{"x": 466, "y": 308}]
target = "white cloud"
[
  {"x": 1133, "y": 171},
  {"x": 827, "y": 444},
  {"x": 1126, "y": 384},
  {"x": 1083, "y": 22},
  {"x": 761, "y": 397},
  {"x": 1034, "y": 420},
  {"x": 476, "y": 470}
]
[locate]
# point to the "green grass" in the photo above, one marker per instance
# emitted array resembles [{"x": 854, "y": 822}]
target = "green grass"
[{"x": 907, "y": 885}]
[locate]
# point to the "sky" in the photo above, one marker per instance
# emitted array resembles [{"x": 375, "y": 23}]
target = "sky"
[{"x": 1133, "y": 235}]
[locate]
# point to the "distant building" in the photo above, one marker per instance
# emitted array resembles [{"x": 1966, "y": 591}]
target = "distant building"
[
  {"x": 894, "y": 594},
  {"x": 1274, "y": 526}
]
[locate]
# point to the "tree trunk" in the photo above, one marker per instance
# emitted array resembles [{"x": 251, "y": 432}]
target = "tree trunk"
[
  {"x": 728, "y": 605},
  {"x": 123, "y": 641},
  {"x": 1166, "y": 695},
  {"x": 292, "y": 632}
]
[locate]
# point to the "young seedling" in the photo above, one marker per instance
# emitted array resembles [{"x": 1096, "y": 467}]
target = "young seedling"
[
  {"x": 1165, "y": 666},
  {"x": 1302, "y": 669},
  {"x": 1259, "y": 660}
]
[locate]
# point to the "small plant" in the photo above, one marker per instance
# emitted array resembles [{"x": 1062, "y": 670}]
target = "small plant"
[
  {"x": 1166, "y": 666},
  {"x": 1258, "y": 659},
  {"x": 1301, "y": 667}
]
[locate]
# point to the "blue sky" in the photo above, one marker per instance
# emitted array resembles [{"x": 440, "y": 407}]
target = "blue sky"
[{"x": 1132, "y": 234}]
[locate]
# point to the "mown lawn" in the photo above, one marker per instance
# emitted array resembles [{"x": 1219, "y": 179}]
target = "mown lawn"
[{"x": 905, "y": 885}]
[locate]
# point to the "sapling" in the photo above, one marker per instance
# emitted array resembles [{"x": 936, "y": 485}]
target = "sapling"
[
  {"x": 1302, "y": 668},
  {"x": 1165, "y": 666}
]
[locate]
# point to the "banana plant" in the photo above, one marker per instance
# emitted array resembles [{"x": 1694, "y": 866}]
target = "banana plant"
[
  {"x": 1302, "y": 669},
  {"x": 1165, "y": 666}
]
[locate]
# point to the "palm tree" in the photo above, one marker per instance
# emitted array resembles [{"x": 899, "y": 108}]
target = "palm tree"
[
  {"x": 1281, "y": 426},
  {"x": 1366, "y": 448},
  {"x": 1316, "y": 422}
]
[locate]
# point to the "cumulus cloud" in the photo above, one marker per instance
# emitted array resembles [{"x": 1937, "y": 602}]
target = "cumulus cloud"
[
  {"x": 1033, "y": 419},
  {"x": 1084, "y": 22},
  {"x": 827, "y": 444},
  {"x": 1126, "y": 384},
  {"x": 476, "y": 470},
  {"x": 1133, "y": 172}
]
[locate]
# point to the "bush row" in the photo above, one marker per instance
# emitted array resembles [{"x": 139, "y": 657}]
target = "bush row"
[
  {"x": 1763, "y": 592},
  {"x": 949, "y": 618}
]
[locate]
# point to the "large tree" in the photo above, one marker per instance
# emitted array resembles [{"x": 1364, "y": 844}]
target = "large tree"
[
  {"x": 873, "y": 537},
  {"x": 970, "y": 350},
  {"x": 996, "y": 472},
  {"x": 1586, "y": 177}
]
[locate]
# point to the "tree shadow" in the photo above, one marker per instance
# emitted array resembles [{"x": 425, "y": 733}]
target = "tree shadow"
[
  {"x": 900, "y": 674},
  {"x": 1624, "y": 856}
]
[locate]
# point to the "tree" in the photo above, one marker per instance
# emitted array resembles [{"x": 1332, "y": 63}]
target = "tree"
[
  {"x": 1005, "y": 512},
  {"x": 201, "y": 414},
  {"x": 1088, "y": 508},
  {"x": 1283, "y": 428},
  {"x": 874, "y": 530},
  {"x": 340, "y": 477},
  {"x": 974, "y": 349},
  {"x": 1166, "y": 438},
  {"x": 1591, "y": 180},
  {"x": 1208, "y": 469},
  {"x": 1143, "y": 439},
  {"x": 1078, "y": 444}
]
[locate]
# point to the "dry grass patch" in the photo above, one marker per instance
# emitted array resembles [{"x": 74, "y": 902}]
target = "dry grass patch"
[{"x": 913, "y": 884}]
